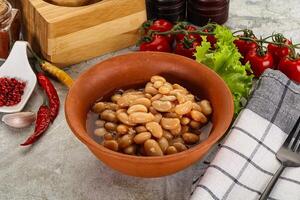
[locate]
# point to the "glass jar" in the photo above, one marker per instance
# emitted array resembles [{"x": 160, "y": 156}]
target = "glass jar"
[
  {"x": 172, "y": 10},
  {"x": 200, "y": 12},
  {"x": 9, "y": 27}
]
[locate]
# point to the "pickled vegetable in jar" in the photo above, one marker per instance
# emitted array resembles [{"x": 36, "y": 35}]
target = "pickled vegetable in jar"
[{"x": 9, "y": 27}]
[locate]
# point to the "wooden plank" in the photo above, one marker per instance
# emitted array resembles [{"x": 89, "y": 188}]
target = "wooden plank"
[
  {"x": 77, "y": 18},
  {"x": 93, "y": 50},
  {"x": 67, "y": 35},
  {"x": 102, "y": 32}
]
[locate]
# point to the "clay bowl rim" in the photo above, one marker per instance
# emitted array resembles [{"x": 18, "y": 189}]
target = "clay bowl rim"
[{"x": 92, "y": 144}]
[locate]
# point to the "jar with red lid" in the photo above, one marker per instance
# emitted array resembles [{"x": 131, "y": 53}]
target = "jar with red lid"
[
  {"x": 9, "y": 27},
  {"x": 200, "y": 12}
]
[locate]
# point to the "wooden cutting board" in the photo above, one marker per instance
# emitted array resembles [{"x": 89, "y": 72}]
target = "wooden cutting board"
[{"x": 68, "y": 35}]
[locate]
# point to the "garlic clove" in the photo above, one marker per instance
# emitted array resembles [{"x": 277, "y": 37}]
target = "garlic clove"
[{"x": 19, "y": 120}]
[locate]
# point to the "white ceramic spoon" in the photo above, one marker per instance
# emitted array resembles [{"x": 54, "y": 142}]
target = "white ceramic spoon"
[{"x": 17, "y": 66}]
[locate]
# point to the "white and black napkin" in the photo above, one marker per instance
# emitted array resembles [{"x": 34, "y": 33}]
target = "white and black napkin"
[{"x": 246, "y": 160}]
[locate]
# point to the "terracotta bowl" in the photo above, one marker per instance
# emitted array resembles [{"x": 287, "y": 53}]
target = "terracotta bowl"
[{"x": 137, "y": 68}]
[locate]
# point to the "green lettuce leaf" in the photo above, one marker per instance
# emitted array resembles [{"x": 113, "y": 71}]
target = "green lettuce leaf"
[{"x": 225, "y": 60}]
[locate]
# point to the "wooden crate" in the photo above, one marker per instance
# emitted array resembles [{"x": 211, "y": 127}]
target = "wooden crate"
[{"x": 68, "y": 35}]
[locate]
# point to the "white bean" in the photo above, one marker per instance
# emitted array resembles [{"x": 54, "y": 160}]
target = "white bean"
[
  {"x": 168, "y": 98},
  {"x": 152, "y": 148},
  {"x": 140, "y": 129},
  {"x": 197, "y": 107},
  {"x": 195, "y": 125},
  {"x": 162, "y": 106},
  {"x": 127, "y": 99},
  {"x": 158, "y": 117},
  {"x": 180, "y": 147},
  {"x": 110, "y": 126},
  {"x": 100, "y": 132},
  {"x": 171, "y": 150},
  {"x": 184, "y": 108},
  {"x": 177, "y": 86},
  {"x": 156, "y": 97},
  {"x": 198, "y": 116},
  {"x": 170, "y": 123},
  {"x": 125, "y": 141},
  {"x": 141, "y": 117},
  {"x": 167, "y": 135},
  {"x": 155, "y": 129},
  {"x": 190, "y": 138},
  {"x": 115, "y": 97},
  {"x": 124, "y": 118},
  {"x": 109, "y": 115},
  {"x": 185, "y": 120},
  {"x": 111, "y": 144},
  {"x": 152, "y": 110},
  {"x": 163, "y": 143},
  {"x": 175, "y": 91},
  {"x": 137, "y": 108},
  {"x": 99, "y": 123},
  {"x": 142, "y": 137},
  {"x": 99, "y": 107},
  {"x": 206, "y": 107},
  {"x": 176, "y": 131},
  {"x": 150, "y": 89},
  {"x": 158, "y": 84},
  {"x": 190, "y": 97},
  {"x": 122, "y": 129},
  {"x": 142, "y": 101},
  {"x": 165, "y": 89},
  {"x": 131, "y": 150},
  {"x": 158, "y": 78}
]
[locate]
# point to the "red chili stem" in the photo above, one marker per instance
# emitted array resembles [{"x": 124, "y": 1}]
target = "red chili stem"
[{"x": 41, "y": 125}]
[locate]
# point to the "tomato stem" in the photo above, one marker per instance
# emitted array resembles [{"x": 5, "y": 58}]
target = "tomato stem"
[
  {"x": 177, "y": 30},
  {"x": 248, "y": 35}
]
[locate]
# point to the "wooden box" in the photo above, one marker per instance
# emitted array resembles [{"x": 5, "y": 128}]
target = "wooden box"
[{"x": 68, "y": 35}]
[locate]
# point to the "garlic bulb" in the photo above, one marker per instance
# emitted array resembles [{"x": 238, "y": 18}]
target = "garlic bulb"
[{"x": 19, "y": 120}]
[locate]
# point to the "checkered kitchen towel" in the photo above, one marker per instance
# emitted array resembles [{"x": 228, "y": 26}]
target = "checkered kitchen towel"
[{"x": 246, "y": 160}]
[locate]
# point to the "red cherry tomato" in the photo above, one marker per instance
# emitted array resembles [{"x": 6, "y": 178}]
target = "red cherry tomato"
[
  {"x": 158, "y": 43},
  {"x": 211, "y": 39},
  {"x": 245, "y": 46},
  {"x": 186, "y": 49},
  {"x": 279, "y": 52},
  {"x": 259, "y": 63},
  {"x": 180, "y": 37},
  {"x": 291, "y": 68},
  {"x": 162, "y": 25}
]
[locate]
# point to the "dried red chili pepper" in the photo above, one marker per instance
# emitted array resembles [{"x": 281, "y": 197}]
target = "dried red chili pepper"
[
  {"x": 51, "y": 93},
  {"x": 41, "y": 125}
]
